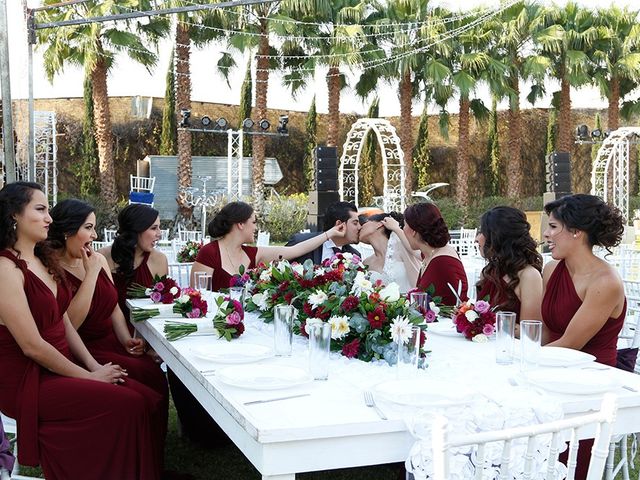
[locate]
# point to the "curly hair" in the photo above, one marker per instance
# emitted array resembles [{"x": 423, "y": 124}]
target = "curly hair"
[
  {"x": 227, "y": 217},
  {"x": 378, "y": 217},
  {"x": 508, "y": 248},
  {"x": 426, "y": 219},
  {"x": 603, "y": 223},
  {"x": 68, "y": 216},
  {"x": 14, "y": 197},
  {"x": 132, "y": 220}
]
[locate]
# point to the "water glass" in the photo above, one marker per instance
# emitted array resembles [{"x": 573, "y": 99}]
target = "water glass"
[
  {"x": 505, "y": 335},
  {"x": 237, "y": 293},
  {"x": 530, "y": 343},
  {"x": 420, "y": 301},
  {"x": 319, "y": 346},
  {"x": 283, "y": 316},
  {"x": 203, "y": 281},
  {"x": 409, "y": 354}
]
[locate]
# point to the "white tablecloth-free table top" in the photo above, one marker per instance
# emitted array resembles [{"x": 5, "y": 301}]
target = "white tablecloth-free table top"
[{"x": 332, "y": 427}]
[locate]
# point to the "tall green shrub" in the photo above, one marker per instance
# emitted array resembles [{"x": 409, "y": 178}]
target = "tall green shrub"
[
  {"x": 244, "y": 111},
  {"x": 367, "y": 167},
  {"x": 421, "y": 151},
  {"x": 492, "y": 181},
  {"x": 87, "y": 168},
  {"x": 311, "y": 130},
  {"x": 169, "y": 128},
  {"x": 552, "y": 130}
]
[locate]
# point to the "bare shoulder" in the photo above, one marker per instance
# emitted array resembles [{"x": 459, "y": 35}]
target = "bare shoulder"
[
  {"x": 156, "y": 256},
  {"x": 9, "y": 272},
  {"x": 606, "y": 281},
  {"x": 103, "y": 260},
  {"x": 529, "y": 274},
  {"x": 549, "y": 269}
]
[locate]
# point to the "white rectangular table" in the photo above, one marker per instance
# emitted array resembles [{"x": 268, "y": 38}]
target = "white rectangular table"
[{"x": 332, "y": 427}]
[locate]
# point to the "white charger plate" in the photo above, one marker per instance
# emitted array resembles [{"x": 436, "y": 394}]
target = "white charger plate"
[
  {"x": 263, "y": 377},
  {"x": 563, "y": 357},
  {"x": 573, "y": 380},
  {"x": 232, "y": 352},
  {"x": 444, "y": 327},
  {"x": 426, "y": 392}
]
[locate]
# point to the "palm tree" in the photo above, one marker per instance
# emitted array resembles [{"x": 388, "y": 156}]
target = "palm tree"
[
  {"x": 95, "y": 47},
  {"x": 563, "y": 37},
  {"x": 617, "y": 57}
]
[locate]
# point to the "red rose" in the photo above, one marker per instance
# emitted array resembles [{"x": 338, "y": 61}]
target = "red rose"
[
  {"x": 350, "y": 303},
  {"x": 377, "y": 317},
  {"x": 350, "y": 350}
]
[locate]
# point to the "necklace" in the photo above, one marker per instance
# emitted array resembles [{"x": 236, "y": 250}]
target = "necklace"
[
  {"x": 235, "y": 269},
  {"x": 76, "y": 265}
]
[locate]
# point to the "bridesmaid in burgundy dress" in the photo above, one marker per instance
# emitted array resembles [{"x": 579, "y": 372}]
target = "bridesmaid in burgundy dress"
[
  {"x": 584, "y": 305},
  {"x": 511, "y": 279},
  {"x": 77, "y": 418},
  {"x": 132, "y": 257},
  {"x": 426, "y": 231}
]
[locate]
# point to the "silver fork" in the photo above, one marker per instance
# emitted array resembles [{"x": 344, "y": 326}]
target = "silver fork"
[{"x": 370, "y": 402}]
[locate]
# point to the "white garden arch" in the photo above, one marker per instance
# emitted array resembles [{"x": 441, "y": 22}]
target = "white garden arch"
[
  {"x": 393, "y": 195},
  {"x": 610, "y": 174}
]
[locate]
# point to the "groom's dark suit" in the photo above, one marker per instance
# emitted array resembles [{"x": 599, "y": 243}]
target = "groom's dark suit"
[{"x": 315, "y": 255}]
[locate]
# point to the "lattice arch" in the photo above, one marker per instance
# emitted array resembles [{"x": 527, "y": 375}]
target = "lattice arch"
[
  {"x": 393, "y": 195},
  {"x": 613, "y": 184}
]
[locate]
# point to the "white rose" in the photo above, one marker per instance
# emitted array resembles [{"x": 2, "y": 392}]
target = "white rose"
[
  {"x": 317, "y": 298},
  {"x": 339, "y": 326},
  {"x": 471, "y": 315},
  {"x": 183, "y": 299},
  {"x": 480, "y": 338},
  {"x": 390, "y": 293},
  {"x": 434, "y": 308},
  {"x": 298, "y": 268},
  {"x": 310, "y": 322},
  {"x": 173, "y": 290}
]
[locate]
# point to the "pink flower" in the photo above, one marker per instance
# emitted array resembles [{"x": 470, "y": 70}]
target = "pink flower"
[
  {"x": 429, "y": 316},
  {"x": 158, "y": 287},
  {"x": 233, "y": 318},
  {"x": 156, "y": 297},
  {"x": 195, "y": 313},
  {"x": 482, "y": 307},
  {"x": 488, "y": 329}
]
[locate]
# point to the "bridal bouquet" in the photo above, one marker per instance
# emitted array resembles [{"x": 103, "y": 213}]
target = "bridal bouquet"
[
  {"x": 227, "y": 321},
  {"x": 163, "y": 290},
  {"x": 475, "y": 321},
  {"x": 189, "y": 252},
  {"x": 189, "y": 305}
]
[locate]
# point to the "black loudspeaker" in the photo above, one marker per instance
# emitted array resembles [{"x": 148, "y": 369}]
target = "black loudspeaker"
[
  {"x": 315, "y": 223},
  {"x": 320, "y": 201},
  {"x": 558, "y": 173},
  {"x": 326, "y": 179},
  {"x": 326, "y": 168}
]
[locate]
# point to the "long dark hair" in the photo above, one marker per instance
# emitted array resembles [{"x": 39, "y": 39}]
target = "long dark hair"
[
  {"x": 508, "y": 249},
  {"x": 14, "y": 197},
  {"x": 68, "y": 216},
  {"x": 132, "y": 220},
  {"x": 227, "y": 217}
]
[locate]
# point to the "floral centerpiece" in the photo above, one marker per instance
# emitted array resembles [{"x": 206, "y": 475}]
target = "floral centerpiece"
[
  {"x": 189, "y": 305},
  {"x": 163, "y": 290},
  {"x": 189, "y": 251},
  {"x": 241, "y": 279},
  {"x": 476, "y": 321},
  {"x": 227, "y": 321}
]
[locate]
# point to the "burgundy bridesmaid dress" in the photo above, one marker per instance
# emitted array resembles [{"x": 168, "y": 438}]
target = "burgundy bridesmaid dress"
[
  {"x": 209, "y": 255},
  {"x": 441, "y": 270},
  {"x": 75, "y": 428}
]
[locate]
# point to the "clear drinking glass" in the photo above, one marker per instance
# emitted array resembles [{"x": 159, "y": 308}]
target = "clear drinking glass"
[
  {"x": 237, "y": 293},
  {"x": 420, "y": 301},
  {"x": 530, "y": 344},
  {"x": 203, "y": 281},
  {"x": 505, "y": 334},
  {"x": 408, "y": 354},
  {"x": 319, "y": 347},
  {"x": 283, "y": 316}
]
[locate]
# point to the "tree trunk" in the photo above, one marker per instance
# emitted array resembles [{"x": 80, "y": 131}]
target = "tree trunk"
[
  {"x": 462, "y": 173},
  {"x": 406, "y": 130},
  {"x": 333, "y": 84},
  {"x": 614, "y": 104},
  {"x": 514, "y": 158},
  {"x": 103, "y": 132},
  {"x": 260, "y": 141},
  {"x": 183, "y": 101},
  {"x": 565, "y": 127}
]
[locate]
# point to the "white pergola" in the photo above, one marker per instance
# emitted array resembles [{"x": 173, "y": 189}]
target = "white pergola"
[
  {"x": 610, "y": 174},
  {"x": 393, "y": 173}
]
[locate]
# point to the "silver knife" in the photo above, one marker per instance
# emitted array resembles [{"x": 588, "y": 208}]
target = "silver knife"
[{"x": 253, "y": 402}]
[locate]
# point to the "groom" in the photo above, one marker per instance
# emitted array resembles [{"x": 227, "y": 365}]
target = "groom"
[{"x": 336, "y": 214}]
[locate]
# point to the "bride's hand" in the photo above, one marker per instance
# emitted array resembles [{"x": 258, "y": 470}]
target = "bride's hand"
[
  {"x": 391, "y": 223},
  {"x": 339, "y": 231}
]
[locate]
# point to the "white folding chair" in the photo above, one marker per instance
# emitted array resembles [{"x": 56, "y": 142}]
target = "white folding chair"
[
  {"x": 98, "y": 245},
  {"x": 164, "y": 234},
  {"x": 467, "y": 241},
  {"x": 181, "y": 273},
  {"x": 10, "y": 428},
  {"x": 141, "y": 190},
  {"x": 519, "y": 445},
  {"x": 263, "y": 239},
  {"x": 108, "y": 235},
  {"x": 189, "y": 235}
]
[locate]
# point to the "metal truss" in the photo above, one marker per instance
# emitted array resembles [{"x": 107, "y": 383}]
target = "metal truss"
[
  {"x": 393, "y": 168},
  {"x": 235, "y": 158},
  {"x": 46, "y": 155},
  {"x": 610, "y": 174}
]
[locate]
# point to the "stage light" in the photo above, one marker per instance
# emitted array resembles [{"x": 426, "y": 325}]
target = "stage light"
[
  {"x": 282, "y": 125},
  {"x": 247, "y": 124},
  {"x": 205, "y": 121},
  {"x": 596, "y": 134},
  {"x": 582, "y": 132},
  {"x": 606, "y": 133},
  {"x": 222, "y": 123},
  {"x": 264, "y": 124},
  {"x": 186, "y": 114}
]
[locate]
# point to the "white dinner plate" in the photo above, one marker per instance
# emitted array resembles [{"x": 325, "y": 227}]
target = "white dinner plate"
[
  {"x": 263, "y": 377},
  {"x": 445, "y": 327},
  {"x": 426, "y": 392},
  {"x": 573, "y": 380},
  {"x": 231, "y": 352},
  {"x": 563, "y": 357}
]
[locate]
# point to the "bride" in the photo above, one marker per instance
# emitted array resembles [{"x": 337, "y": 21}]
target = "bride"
[{"x": 390, "y": 262}]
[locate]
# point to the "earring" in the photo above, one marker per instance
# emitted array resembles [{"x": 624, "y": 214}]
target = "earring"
[
  {"x": 575, "y": 235},
  {"x": 66, "y": 237},
  {"x": 15, "y": 225}
]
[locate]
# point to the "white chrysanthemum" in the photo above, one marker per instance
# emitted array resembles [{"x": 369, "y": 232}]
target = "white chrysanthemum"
[
  {"x": 400, "y": 330},
  {"x": 260, "y": 300},
  {"x": 361, "y": 284},
  {"x": 318, "y": 298},
  {"x": 471, "y": 315},
  {"x": 434, "y": 308},
  {"x": 298, "y": 268},
  {"x": 265, "y": 276},
  {"x": 310, "y": 322},
  {"x": 339, "y": 326},
  {"x": 390, "y": 293},
  {"x": 480, "y": 338}
]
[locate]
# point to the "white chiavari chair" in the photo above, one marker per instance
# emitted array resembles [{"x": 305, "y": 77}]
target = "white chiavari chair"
[
  {"x": 189, "y": 235},
  {"x": 10, "y": 428},
  {"x": 181, "y": 273},
  {"x": 108, "y": 235},
  {"x": 263, "y": 239},
  {"x": 522, "y": 445}
]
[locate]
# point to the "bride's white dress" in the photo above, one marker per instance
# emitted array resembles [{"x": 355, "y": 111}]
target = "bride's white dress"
[{"x": 394, "y": 269}]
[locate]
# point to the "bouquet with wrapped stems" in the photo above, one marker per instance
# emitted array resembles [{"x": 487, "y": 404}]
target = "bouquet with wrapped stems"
[
  {"x": 228, "y": 320},
  {"x": 476, "y": 321},
  {"x": 164, "y": 289},
  {"x": 189, "y": 305}
]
